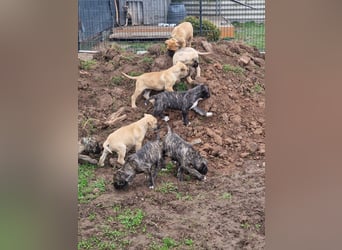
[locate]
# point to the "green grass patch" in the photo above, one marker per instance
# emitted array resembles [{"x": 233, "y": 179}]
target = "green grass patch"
[
  {"x": 257, "y": 88},
  {"x": 230, "y": 68},
  {"x": 181, "y": 86},
  {"x": 167, "y": 187},
  {"x": 227, "y": 196},
  {"x": 86, "y": 65},
  {"x": 251, "y": 33},
  {"x": 87, "y": 183},
  {"x": 147, "y": 60},
  {"x": 117, "y": 80},
  {"x": 131, "y": 219}
]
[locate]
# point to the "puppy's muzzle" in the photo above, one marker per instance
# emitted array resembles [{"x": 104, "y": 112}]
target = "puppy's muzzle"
[
  {"x": 195, "y": 64},
  {"x": 170, "y": 52},
  {"x": 204, "y": 169},
  {"x": 120, "y": 184}
]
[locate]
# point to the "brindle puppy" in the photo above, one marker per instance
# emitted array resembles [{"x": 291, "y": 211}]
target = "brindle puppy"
[
  {"x": 185, "y": 155},
  {"x": 149, "y": 160},
  {"x": 180, "y": 100}
]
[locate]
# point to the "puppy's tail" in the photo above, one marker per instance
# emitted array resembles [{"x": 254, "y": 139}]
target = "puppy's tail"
[
  {"x": 203, "y": 53},
  {"x": 130, "y": 77}
]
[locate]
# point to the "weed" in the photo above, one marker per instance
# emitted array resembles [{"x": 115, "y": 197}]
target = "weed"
[
  {"x": 106, "y": 245},
  {"x": 86, "y": 184},
  {"x": 235, "y": 69},
  {"x": 227, "y": 196},
  {"x": 245, "y": 225},
  {"x": 257, "y": 226},
  {"x": 116, "y": 208},
  {"x": 112, "y": 234},
  {"x": 169, "y": 242},
  {"x": 257, "y": 88},
  {"x": 101, "y": 185},
  {"x": 110, "y": 218},
  {"x": 92, "y": 216},
  {"x": 117, "y": 80},
  {"x": 188, "y": 242},
  {"x": 84, "y": 244},
  {"x": 186, "y": 196},
  {"x": 131, "y": 219},
  {"x": 181, "y": 86},
  {"x": 167, "y": 187},
  {"x": 147, "y": 60},
  {"x": 86, "y": 65}
]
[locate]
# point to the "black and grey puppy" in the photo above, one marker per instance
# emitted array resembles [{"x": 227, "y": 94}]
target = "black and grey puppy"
[
  {"x": 185, "y": 155},
  {"x": 180, "y": 100},
  {"x": 149, "y": 160},
  {"x": 88, "y": 147}
]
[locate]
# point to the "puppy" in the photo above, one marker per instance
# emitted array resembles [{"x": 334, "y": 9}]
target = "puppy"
[
  {"x": 87, "y": 147},
  {"x": 181, "y": 36},
  {"x": 161, "y": 80},
  {"x": 189, "y": 57},
  {"x": 126, "y": 137},
  {"x": 149, "y": 160},
  {"x": 180, "y": 100},
  {"x": 128, "y": 13},
  {"x": 185, "y": 155}
]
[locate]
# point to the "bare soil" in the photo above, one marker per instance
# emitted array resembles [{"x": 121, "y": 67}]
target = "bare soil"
[{"x": 227, "y": 211}]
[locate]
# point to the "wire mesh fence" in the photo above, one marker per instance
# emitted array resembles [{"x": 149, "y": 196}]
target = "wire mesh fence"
[{"x": 136, "y": 24}]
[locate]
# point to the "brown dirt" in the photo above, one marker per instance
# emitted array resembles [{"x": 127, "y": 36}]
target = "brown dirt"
[{"x": 233, "y": 141}]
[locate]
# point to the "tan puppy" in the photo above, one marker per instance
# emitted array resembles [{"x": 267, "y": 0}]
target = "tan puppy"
[
  {"x": 123, "y": 139},
  {"x": 161, "y": 80},
  {"x": 181, "y": 36},
  {"x": 189, "y": 57}
]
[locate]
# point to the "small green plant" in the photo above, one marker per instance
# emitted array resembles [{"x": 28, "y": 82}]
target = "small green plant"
[
  {"x": 227, "y": 196},
  {"x": 257, "y": 88},
  {"x": 257, "y": 226},
  {"x": 167, "y": 187},
  {"x": 186, "y": 196},
  {"x": 87, "y": 183},
  {"x": 245, "y": 225},
  {"x": 117, "y": 80},
  {"x": 169, "y": 242},
  {"x": 181, "y": 86},
  {"x": 188, "y": 242},
  {"x": 147, "y": 60},
  {"x": 86, "y": 65},
  {"x": 112, "y": 234},
  {"x": 92, "y": 216},
  {"x": 101, "y": 185},
  {"x": 209, "y": 29},
  {"x": 235, "y": 69},
  {"x": 131, "y": 219},
  {"x": 103, "y": 245}
]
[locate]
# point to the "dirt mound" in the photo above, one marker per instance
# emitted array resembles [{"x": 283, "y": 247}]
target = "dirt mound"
[{"x": 232, "y": 140}]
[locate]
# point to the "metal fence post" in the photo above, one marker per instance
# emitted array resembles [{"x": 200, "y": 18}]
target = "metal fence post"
[{"x": 200, "y": 12}]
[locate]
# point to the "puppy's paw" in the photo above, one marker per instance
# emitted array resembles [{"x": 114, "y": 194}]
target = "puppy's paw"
[
  {"x": 209, "y": 114},
  {"x": 151, "y": 187},
  {"x": 166, "y": 118},
  {"x": 204, "y": 178}
]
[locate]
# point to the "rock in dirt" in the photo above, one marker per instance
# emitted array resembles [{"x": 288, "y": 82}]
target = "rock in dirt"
[
  {"x": 252, "y": 147},
  {"x": 196, "y": 141},
  {"x": 244, "y": 60},
  {"x": 208, "y": 47},
  {"x": 105, "y": 101},
  {"x": 236, "y": 119},
  {"x": 216, "y": 137}
]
